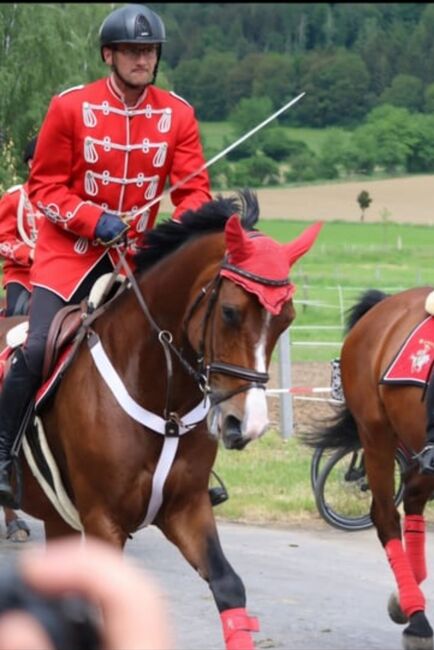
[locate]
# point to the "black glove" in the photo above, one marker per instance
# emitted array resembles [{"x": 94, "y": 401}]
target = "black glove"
[{"x": 110, "y": 229}]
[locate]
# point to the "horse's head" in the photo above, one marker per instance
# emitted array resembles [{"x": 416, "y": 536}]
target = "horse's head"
[{"x": 236, "y": 322}]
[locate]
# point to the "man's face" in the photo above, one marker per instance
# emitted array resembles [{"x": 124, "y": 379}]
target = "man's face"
[{"x": 132, "y": 63}]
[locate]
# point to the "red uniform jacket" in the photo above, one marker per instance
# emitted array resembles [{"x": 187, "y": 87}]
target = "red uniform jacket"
[
  {"x": 95, "y": 155},
  {"x": 18, "y": 233}
]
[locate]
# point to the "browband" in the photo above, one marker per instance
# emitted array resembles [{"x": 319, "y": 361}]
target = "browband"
[{"x": 255, "y": 278}]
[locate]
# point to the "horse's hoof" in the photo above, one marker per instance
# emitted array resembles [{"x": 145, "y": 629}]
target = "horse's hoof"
[
  {"x": 17, "y": 531},
  {"x": 418, "y": 635},
  {"x": 394, "y": 610}
]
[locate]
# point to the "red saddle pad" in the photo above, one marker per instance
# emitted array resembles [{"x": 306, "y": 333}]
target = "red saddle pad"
[{"x": 413, "y": 361}]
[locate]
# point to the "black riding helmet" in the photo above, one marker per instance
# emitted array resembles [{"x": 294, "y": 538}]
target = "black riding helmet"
[{"x": 133, "y": 24}]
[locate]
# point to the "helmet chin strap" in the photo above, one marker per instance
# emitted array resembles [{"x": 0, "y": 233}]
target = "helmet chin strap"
[{"x": 159, "y": 48}]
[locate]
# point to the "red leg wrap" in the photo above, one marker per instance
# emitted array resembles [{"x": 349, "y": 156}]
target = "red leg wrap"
[
  {"x": 414, "y": 536},
  {"x": 237, "y": 626},
  {"x": 411, "y": 599}
]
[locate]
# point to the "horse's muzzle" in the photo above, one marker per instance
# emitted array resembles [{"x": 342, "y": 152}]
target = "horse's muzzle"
[{"x": 231, "y": 434}]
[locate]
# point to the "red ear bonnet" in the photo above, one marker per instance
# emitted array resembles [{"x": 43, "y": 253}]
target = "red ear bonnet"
[{"x": 261, "y": 265}]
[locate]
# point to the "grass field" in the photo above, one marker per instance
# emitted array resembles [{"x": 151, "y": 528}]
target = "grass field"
[
  {"x": 268, "y": 481},
  {"x": 347, "y": 259},
  {"x": 215, "y": 133}
]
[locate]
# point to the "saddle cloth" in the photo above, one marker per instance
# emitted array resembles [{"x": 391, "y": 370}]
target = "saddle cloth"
[{"x": 413, "y": 361}]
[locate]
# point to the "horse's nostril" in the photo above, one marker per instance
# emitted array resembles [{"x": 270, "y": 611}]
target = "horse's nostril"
[
  {"x": 232, "y": 436},
  {"x": 232, "y": 426}
]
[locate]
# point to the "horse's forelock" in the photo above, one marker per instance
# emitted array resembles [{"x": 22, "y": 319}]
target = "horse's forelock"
[{"x": 211, "y": 217}]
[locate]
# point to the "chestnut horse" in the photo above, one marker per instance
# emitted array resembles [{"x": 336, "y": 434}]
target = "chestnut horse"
[
  {"x": 380, "y": 415},
  {"x": 195, "y": 327}
]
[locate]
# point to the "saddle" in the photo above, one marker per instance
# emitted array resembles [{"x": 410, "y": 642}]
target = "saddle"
[{"x": 68, "y": 328}]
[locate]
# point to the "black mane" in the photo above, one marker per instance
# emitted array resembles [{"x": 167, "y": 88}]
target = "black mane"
[{"x": 211, "y": 217}]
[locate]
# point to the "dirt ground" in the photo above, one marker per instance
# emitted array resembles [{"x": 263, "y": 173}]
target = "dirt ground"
[
  {"x": 313, "y": 374},
  {"x": 406, "y": 200}
]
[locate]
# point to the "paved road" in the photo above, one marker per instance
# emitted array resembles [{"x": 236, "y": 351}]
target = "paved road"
[{"x": 312, "y": 588}]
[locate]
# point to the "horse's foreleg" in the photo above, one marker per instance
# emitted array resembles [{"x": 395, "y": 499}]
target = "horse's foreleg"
[
  {"x": 194, "y": 532},
  {"x": 414, "y": 539},
  {"x": 97, "y": 522}
]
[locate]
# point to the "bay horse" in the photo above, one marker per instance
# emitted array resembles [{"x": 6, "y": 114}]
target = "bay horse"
[
  {"x": 380, "y": 416},
  {"x": 195, "y": 325}
]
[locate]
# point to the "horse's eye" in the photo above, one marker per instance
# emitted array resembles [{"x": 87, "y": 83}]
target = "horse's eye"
[{"x": 231, "y": 315}]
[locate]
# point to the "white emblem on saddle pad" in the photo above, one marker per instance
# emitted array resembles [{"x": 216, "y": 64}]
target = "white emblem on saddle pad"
[
  {"x": 422, "y": 357},
  {"x": 17, "y": 335}
]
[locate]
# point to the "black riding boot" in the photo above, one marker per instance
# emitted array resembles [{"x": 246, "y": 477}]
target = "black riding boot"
[
  {"x": 426, "y": 456},
  {"x": 18, "y": 390}
]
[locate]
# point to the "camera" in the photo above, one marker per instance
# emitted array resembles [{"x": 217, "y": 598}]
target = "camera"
[{"x": 70, "y": 622}]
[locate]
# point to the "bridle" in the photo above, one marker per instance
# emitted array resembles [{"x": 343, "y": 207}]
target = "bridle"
[
  {"x": 253, "y": 378},
  {"x": 203, "y": 372}
]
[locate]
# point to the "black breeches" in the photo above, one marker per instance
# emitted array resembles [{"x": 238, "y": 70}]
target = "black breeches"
[
  {"x": 17, "y": 299},
  {"x": 44, "y": 305}
]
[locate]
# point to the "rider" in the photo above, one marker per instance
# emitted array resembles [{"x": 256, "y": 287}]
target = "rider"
[
  {"x": 19, "y": 223},
  {"x": 104, "y": 150},
  {"x": 426, "y": 456}
]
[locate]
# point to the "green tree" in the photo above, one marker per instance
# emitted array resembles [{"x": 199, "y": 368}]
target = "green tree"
[
  {"x": 203, "y": 84},
  {"x": 429, "y": 98},
  {"x": 405, "y": 90},
  {"x": 331, "y": 154},
  {"x": 364, "y": 200},
  {"x": 390, "y": 128},
  {"x": 44, "y": 49},
  {"x": 248, "y": 114},
  {"x": 303, "y": 167},
  {"x": 256, "y": 171},
  {"x": 336, "y": 86},
  {"x": 421, "y": 155},
  {"x": 274, "y": 77},
  {"x": 276, "y": 143}
]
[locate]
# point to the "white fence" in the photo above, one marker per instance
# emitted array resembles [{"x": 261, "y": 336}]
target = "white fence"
[{"x": 286, "y": 392}]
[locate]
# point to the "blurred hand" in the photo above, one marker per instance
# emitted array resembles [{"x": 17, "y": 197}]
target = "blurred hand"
[{"x": 133, "y": 613}]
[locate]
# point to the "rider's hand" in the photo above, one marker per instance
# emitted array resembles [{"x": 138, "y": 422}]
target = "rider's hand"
[{"x": 110, "y": 229}]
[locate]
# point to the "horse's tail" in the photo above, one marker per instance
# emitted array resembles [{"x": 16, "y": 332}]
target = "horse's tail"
[
  {"x": 340, "y": 430},
  {"x": 366, "y": 301}
]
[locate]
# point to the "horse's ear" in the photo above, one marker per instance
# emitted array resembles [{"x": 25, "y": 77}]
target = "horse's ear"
[
  {"x": 299, "y": 246},
  {"x": 238, "y": 244}
]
